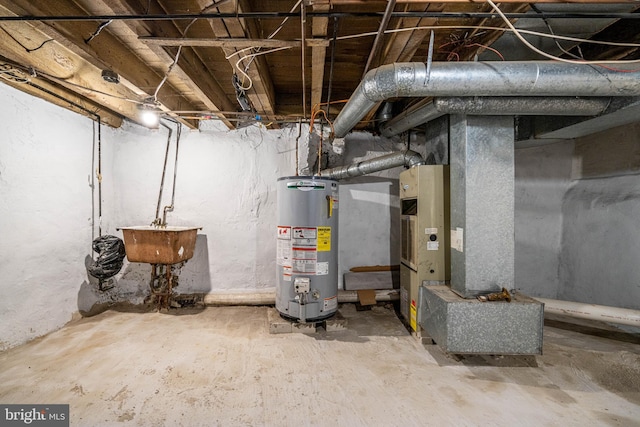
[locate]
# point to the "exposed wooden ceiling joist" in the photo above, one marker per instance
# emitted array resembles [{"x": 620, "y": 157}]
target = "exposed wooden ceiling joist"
[
  {"x": 319, "y": 27},
  {"x": 103, "y": 52},
  {"x": 187, "y": 51},
  {"x": 378, "y": 2},
  {"x": 260, "y": 92},
  {"x": 236, "y": 43},
  {"x": 56, "y": 63},
  {"x": 189, "y": 76},
  {"x": 60, "y": 96},
  {"x": 402, "y": 46}
]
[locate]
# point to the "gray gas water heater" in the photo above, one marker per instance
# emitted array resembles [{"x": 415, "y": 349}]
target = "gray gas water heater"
[{"x": 307, "y": 248}]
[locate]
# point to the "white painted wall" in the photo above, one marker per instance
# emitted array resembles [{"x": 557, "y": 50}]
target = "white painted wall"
[
  {"x": 577, "y": 219},
  {"x": 600, "y": 252},
  {"x": 226, "y": 183},
  {"x": 45, "y": 214},
  {"x": 369, "y": 219},
  {"x": 543, "y": 176}
]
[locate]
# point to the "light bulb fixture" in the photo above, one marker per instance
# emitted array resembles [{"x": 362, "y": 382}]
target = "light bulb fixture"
[
  {"x": 149, "y": 114},
  {"x": 149, "y": 118}
]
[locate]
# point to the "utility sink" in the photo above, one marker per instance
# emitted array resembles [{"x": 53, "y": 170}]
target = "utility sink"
[{"x": 159, "y": 245}]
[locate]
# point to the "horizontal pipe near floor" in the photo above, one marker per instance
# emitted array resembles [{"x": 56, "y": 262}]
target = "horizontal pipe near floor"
[
  {"x": 621, "y": 316},
  {"x": 269, "y": 297}
]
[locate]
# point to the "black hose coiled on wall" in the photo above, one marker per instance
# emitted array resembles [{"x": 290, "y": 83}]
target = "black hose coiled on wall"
[{"x": 111, "y": 254}]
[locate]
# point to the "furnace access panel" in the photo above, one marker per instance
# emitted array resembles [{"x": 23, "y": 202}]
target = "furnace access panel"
[{"x": 425, "y": 235}]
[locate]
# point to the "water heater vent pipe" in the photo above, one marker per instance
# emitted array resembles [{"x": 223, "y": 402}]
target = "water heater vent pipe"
[{"x": 407, "y": 158}]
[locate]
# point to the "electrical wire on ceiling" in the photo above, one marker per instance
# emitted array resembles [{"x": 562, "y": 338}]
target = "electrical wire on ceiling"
[
  {"x": 487, "y": 27},
  {"x": 253, "y": 55},
  {"x": 29, "y": 50},
  {"x": 12, "y": 74},
  {"x": 550, "y": 28},
  {"x": 516, "y": 32},
  {"x": 465, "y": 43},
  {"x": 101, "y": 27},
  {"x": 32, "y": 72},
  {"x": 175, "y": 59}
]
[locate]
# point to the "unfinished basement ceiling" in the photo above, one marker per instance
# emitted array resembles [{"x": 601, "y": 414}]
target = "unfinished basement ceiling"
[{"x": 60, "y": 50}]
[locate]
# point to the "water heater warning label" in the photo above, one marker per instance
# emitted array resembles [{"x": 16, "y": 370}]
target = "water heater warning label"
[
  {"x": 324, "y": 239},
  {"x": 283, "y": 247},
  {"x": 331, "y": 303},
  {"x": 304, "y": 236},
  {"x": 307, "y": 266},
  {"x": 284, "y": 232},
  {"x": 322, "y": 269},
  {"x": 304, "y": 253},
  {"x": 286, "y": 274}
]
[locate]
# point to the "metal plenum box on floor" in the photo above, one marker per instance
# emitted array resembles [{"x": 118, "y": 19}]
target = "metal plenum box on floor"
[{"x": 460, "y": 325}]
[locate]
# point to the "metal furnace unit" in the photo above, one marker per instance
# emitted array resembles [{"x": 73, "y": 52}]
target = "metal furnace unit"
[{"x": 424, "y": 204}]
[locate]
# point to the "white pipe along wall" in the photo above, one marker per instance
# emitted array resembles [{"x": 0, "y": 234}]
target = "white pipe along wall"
[{"x": 622, "y": 316}]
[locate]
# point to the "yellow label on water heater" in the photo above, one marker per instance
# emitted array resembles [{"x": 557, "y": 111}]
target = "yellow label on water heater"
[{"x": 324, "y": 239}]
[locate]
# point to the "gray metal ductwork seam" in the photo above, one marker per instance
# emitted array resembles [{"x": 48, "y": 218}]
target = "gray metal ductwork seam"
[{"x": 484, "y": 79}]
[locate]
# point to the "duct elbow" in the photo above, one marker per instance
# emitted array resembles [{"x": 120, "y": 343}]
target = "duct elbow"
[
  {"x": 379, "y": 84},
  {"x": 411, "y": 159},
  {"x": 392, "y": 80}
]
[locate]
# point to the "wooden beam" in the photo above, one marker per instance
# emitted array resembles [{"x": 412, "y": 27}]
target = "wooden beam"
[
  {"x": 105, "y": 51},
  {"x": 190, "y": 76},
  {"x": 237, "y": 43},
  {"x": 402, "y": 46},
  {"x": 369, "y": 3},
  {"x": 380, "y": 36},
  {"x": 262, "y": 93},
  {"x": 318, "y": 55},
  {"x": 56, "y": 63},
  {"x": 65, "y": 98}
]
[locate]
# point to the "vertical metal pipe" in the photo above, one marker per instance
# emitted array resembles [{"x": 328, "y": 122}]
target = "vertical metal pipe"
[
  {"x": 297, "y": 146},
  {"x": 391, "y": 4},
  {"x": 333, "y": 55},
  {"x": 175, "y": 172},
  {"x": 99, "y": 177},
  {"x": 303, "y": 23},
  {"x": 164, "y": 170}
]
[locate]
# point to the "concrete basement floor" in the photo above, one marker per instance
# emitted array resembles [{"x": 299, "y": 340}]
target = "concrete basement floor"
[{"x": 220, "y": 366}]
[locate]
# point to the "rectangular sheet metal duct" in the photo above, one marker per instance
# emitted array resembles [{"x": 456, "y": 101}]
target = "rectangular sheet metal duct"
[
  {"x": 482, "y": 248},
  {"x": 482, "y": 204}
]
